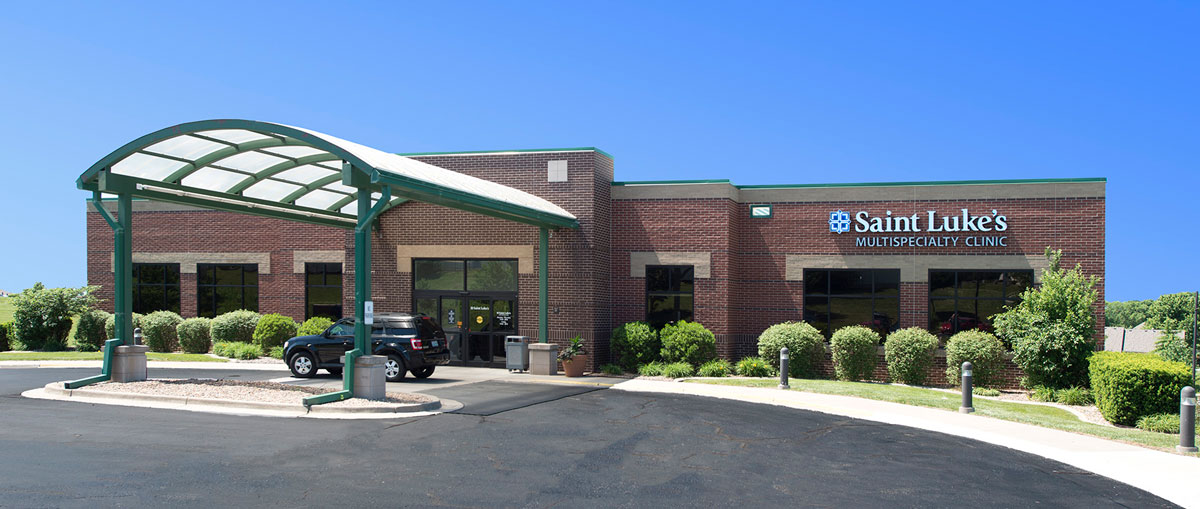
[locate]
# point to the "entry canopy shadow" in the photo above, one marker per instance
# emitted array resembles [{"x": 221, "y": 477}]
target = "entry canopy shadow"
[{"x": 276, "y": 170}]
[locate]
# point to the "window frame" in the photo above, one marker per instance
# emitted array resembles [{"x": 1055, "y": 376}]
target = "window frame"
[
  {"x": 168, "y": 268},
  {"x": 676, "y": 294},
  {"x": 325, "y": 284},
  {"x": 200, "y": 285},
  {"x": 874, "y": 296}
]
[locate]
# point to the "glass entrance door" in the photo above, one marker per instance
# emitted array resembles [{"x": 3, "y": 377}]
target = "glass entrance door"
[{"x": 452, "y": 321}]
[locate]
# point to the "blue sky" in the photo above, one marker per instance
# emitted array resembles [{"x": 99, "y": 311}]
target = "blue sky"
[{"x": 760, "y": 93}]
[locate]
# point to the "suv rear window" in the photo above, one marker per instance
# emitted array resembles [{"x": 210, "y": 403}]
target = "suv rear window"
[
  {"x": 395, "y": 328},
  {"x": 428, "y": 328}
]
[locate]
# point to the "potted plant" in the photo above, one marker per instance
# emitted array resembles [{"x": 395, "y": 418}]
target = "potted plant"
[{"x": 573, "y": 357}]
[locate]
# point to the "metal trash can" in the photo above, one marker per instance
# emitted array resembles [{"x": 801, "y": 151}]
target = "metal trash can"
[{"x": 516, "y": 353}]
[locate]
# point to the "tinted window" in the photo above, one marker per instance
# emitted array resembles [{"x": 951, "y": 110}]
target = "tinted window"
[
  {"x": 323, "y": 290},
  {"x": 438, "y": 274},
  {"x": 492, "y": 275},
  {"x": 669, "y": 294},
  {"x": 962, "y": 300},
  {"x": 222, "y": 288},
  {"x": 155, "y": 287},
  {"x": 836, "y": 298}
]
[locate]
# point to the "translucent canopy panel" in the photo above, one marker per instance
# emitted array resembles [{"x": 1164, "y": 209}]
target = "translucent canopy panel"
[{"x": 251, "y": 165}]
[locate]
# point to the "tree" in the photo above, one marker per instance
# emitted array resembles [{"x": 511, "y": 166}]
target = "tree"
[
  {"x": 1172, "y": 313},
  {"x": 1128, "y": 314},
  {"x": 42, "y": 319},
  {"x": 1051, "y": 330}
]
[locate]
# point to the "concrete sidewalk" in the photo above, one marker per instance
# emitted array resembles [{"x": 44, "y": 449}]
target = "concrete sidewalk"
[
  {"x": 254, "y": 366},
  {"x": 1167, "y": 475}
]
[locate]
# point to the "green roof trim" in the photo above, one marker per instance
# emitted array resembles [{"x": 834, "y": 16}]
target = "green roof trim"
[
  {"x": 871, "y": 184},
  {"x": 569, "y": 149}
]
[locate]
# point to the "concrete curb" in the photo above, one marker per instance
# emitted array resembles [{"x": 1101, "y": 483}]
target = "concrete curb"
[
  {"x": 1170, "y": 476},
  {"x": 56, "y": 391}
]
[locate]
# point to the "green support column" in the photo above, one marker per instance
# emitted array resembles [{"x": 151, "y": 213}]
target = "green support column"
[
  {"x": 543, "y": 284},
  {"x": 123, "y": 269},
  {"x": 362, "y": 285}
]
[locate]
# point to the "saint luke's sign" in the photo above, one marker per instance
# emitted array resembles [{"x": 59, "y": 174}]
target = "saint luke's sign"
[{"x": 966, "y": 224}]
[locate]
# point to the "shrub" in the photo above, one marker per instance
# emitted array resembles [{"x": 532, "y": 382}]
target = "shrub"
[
  {"x": 237, "y": 350},
  {"x": 1129, "y": 385},
  {"x": 651, "y": 369},
  {"x": 634, "y": 344},
  {"x": 984, "y": 391},
  {"x": 234, "y": 326},
  {"x": 1043, "y": 393},
  {"x": 678, "y": 370},
  {"x": 272, "y": 330},
  {"x": 1161, "y": 423},
  {"x": 984, "y": 351},
  {"x": 909, "y": 354},
  {"x": 805, "y": 344},
  {"x": 7, "y": 341},
  {"x": 110, "y": 325},
  {"x": 688, "y": 342},
  {"x": 42, "y": 316},
  {"x": 754, "y": 366},
  {"x": 89, "y": 332},
  {"x": 158, "y": 331},
  {"x": 276, "y": 352},
  {"x": 194, "y": 335},
  {"x": 1076, "y": 396},
  {"x": 716, "y": 368},
  {"x": 314, "y": 326},
  {"x": 612, "y": 369},
  {"x": 854, "y": 352},
  {"x": 1051, "y": 329},
  {"x": 1172, "y": 346}
]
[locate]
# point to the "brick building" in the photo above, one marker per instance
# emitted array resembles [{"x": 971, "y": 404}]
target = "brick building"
[{"x": 940, "y": 255}]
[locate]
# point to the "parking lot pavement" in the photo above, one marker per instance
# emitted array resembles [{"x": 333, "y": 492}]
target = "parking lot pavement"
[{"x": 452, "y": 376}]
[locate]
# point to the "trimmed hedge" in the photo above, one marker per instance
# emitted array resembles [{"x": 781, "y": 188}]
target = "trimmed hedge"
[
  {"x": 194, "y": 335},
  {"x": 688, "y": 342},
  {"x": 110, "y": 325},
  {"x": 89, "y": 331},
  {"x": 1132, "y": 385},
  {"x": 909, "y": 355},
  {"x": 634, "y": 344},
  {"x": 984, "y": 351},
  {"x": 272, "y": 330},
  {"x": 314, "y": 326},
  {"x": 805, "y": 344},
  {"x": 754, "y": 366},
  {"x": 854, "y": 352},
  {"x": 158, "y": 331},
  {"x": 234, "y": 326},
  {"x": 716, "y": 368}
]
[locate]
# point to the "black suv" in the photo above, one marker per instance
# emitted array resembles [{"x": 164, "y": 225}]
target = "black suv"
[{"x": 413, "y": 343}]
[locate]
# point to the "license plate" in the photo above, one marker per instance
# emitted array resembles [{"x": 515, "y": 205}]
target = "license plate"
[{"x": 434, "y": 344}]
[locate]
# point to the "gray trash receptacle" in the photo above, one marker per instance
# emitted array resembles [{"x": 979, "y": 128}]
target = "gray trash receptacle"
[{"x": 516, "y": 353}]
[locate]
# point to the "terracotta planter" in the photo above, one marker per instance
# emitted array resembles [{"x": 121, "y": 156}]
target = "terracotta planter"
[{"x": 574, "y": 367}]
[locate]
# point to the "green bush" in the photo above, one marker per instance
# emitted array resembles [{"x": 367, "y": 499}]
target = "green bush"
[
  {"x": 7, "y": 340},
  {"x": 716, "y": 368},
  {"x": 1172, "y": 346},
  {"x": 158, "y": 331},
  {"x": 194, "y": 335},
  {"x": 237, "y": 350},
  {"x": 1075, "y": 396},
  {"x": 651, "y": 369},
  {"x": 1051, "y": 329},
  {"x": 235, "y": 326},
  {"x": 984, "y": 351},
  {"x": 42, "y": 316},
  {"x": 110, "y": 325},
  {"x": 754, "y": 366},
  {"x": 678, "y": 370},
  {"x": 855, "y": 352},
  {"x": 688, "y": 342},
  {"x": 1161, "y": 423},
  {"x": 805, "y": 344},
  {"x": 1043, "y": 393},
  {"x": 634, "y": 344},
  {"x": 314, "y": 326},
  {"x": 89, "y": 332},
  {"x": 276, "y": 352},
  {"x": 272, "y": 330},
  {"x": 984, "y": 391},
  {"x": 1130, "y": 385},
  {"x": 612, "y": 369},
  {"x": 909, "y": 354}
]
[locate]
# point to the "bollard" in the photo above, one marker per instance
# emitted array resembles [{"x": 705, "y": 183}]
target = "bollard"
[
  {"x": 966, "y": 407},
  {"x": 783, "y": 369},
  {"x": 137, "y": 336},
  {"x": 1187, "y": 420}
]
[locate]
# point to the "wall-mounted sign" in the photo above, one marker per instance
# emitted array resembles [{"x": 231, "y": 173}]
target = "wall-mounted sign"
[
  {"x": 760, "y": 210},
  {"x": 931, "y": 222},
  {"x": 368, "y": 312}
]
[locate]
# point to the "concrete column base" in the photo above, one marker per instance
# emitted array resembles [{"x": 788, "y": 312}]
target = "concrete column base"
[
  {"x": 370, "y": 382},
  {"x": 543, "y": 359},
  {"x": 129, "y": 363}
]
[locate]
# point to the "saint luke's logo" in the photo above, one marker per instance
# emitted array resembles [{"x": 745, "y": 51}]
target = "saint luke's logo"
[{"x": 839, "y": 222}]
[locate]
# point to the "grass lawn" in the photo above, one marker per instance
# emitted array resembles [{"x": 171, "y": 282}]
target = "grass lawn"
[
  {"x": 6, "y": 309},
  {"x": 95, "y": 356},
  {"x": 1039, "y": 415}
]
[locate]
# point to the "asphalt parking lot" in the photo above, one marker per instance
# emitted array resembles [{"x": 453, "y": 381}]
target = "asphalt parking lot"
[{"x": 590, "y": 448}]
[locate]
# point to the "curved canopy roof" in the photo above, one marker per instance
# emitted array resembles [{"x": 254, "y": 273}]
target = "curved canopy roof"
[{"x": 283, "y": 171}]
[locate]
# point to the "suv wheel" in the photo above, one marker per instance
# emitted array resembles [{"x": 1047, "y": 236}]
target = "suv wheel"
[
  {"x": 424, "y": 372},
  {"x": 394, "y": 368},
  {"x": 302, "y": 365}
]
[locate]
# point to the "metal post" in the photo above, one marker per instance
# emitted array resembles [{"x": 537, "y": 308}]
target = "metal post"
[
  {"x": 362, "y": 287},
  {"x": 543, "y": 284},
  {"x": 1187, "y": 420},
  {"x": 123, "y": 269},
  {"x": 783, "y": 368},
  {"x": 1123, "y": 331},
  {"x": 967, "y": 406},
  {"x": 137, "y": 336}
]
